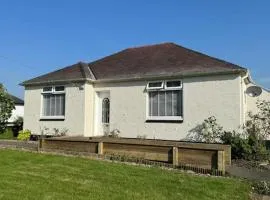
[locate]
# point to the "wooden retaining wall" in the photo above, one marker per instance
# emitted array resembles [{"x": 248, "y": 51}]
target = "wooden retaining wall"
[
  {"x": 200, "y": 155},
  {"x": 16, "y": 144}
]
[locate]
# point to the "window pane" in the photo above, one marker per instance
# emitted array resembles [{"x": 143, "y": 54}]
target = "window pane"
[
  {"x": 46, "y": 105},
  {"x": 176, "y": 103},
  {"x": 58, "y": 105},
  {"x": 165, "y": 103},
  {"x": 150, "y": 103},
  {"x": 54, "y": 105},
  {"x": 151, "y": 99},
  {"x": 47, "y": 89},
  {"x": 161, "y": 105},
  {"x": 153, "y": 103},
  {"x": 173, "y": 83},
  {"x": 154, "y": 84},
  {"x": 59, "y": 88},
  {"x": 62, "y": 104},
  {"x": 168, "y": 103},
  {"x": 180, "y": 103}
]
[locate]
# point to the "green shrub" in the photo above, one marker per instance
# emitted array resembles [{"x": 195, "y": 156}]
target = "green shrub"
[
  {"x": 262, "y": 187},
  {"x": 24, "y": 135},
  {"x": 18, "y": 126},
  {"x": 240, "y": 147}
]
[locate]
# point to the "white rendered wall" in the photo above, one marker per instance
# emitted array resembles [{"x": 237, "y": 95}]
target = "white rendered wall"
[{"x": 218, "y": 96}]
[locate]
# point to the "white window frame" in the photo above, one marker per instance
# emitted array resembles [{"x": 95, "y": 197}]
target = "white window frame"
[
  {"x": 155, "y": 88},
  {"x": 46, "y": 92},
  {"x": 53, "y": 90},
  {"x": 164, "y": 88},
  {"x": 42, "y": 116},
  {"x": 173, "y": 88}
]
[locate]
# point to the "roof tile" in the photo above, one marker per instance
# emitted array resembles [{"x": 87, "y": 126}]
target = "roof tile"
[{"x": 139, "y": 62}]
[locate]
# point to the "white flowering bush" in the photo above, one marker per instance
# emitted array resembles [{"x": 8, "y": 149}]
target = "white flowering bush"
[
  {"x": 209, "y": 131},
  {"x": 258, "y": 124}
]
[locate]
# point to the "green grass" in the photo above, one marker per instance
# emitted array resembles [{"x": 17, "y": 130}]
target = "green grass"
[
  {"x": 25, "y": 175},
  {"x": 7, "y": 135}
]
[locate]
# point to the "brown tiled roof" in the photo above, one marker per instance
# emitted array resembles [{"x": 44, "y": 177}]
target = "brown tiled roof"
[
  {"x": 141, "y": 62},
  {"x": 78, "y": 71}
]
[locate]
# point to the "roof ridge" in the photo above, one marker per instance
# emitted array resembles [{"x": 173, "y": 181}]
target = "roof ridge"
[
  {"x": 150, "y": 45},
  {"x": 212, "y": 57}
]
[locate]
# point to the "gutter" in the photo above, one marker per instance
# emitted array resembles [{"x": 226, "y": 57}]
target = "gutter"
[
  {"x": 138, "y": 78},
  {"x": 79, "y": 80}
]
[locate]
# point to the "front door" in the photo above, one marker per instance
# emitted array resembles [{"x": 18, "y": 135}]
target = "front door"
[{"x": 102, "y": 113}]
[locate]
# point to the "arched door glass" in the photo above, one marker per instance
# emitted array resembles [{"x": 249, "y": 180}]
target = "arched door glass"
[{"x": 106, "y": 111}]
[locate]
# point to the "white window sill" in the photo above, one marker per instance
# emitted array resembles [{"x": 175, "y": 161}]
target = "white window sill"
[
  {"x": 52, "y": 118},
  {"x": 165, "y": 118}
]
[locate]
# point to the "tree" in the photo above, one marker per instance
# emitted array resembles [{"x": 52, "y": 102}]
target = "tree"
[{"x": 6, "y": 107}]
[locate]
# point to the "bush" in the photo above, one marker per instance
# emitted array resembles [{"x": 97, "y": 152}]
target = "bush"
[
  {"x": 60, "y": 133},
  {"x": 209, "y": 131},
  {"x": 115, "y": 133},
  {"x": 240, "y": 147},
  {"x": 249, "y": 143},
  {"x": 262, "y": 187},
  {"x": 24, "y": 135},
  {"x": 18, "y": 126}
]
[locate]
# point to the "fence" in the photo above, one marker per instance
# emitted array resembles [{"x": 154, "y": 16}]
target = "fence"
[{"x": 198, "y": 157}]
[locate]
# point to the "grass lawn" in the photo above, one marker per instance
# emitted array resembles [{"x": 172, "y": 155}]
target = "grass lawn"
[
  {"x": 25, "y": 175},
  {"x": 7, "y": 135}
]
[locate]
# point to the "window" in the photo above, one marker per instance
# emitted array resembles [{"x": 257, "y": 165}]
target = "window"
[
  {"x": 59, "y": 88},
  {"x": 173, "y": 85},
  {"x": 53, "y": 101},
  {"x": 105, "y": 111},
  {"x": 155, "y": 85},
  {"x": 47, "y": 89},
  {"x": 166, "y": 103}
]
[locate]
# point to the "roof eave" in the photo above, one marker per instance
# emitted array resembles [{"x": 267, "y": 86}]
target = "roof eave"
[
  {"x": 55, "y": 82},
  {"x": 138, "y": 78},
  {"x": 172, "y": 75}
]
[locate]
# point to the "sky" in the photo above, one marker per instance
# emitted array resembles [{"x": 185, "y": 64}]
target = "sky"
[{"x": 37, "y": 37}]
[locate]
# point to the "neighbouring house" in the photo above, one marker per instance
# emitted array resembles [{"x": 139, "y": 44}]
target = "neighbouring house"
[
  {"x": 161, "y": 91},
  {"x": 18, "y": 111}
]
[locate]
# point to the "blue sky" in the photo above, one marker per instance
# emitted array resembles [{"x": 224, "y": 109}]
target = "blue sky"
[{"x": 40, "y": 36}]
